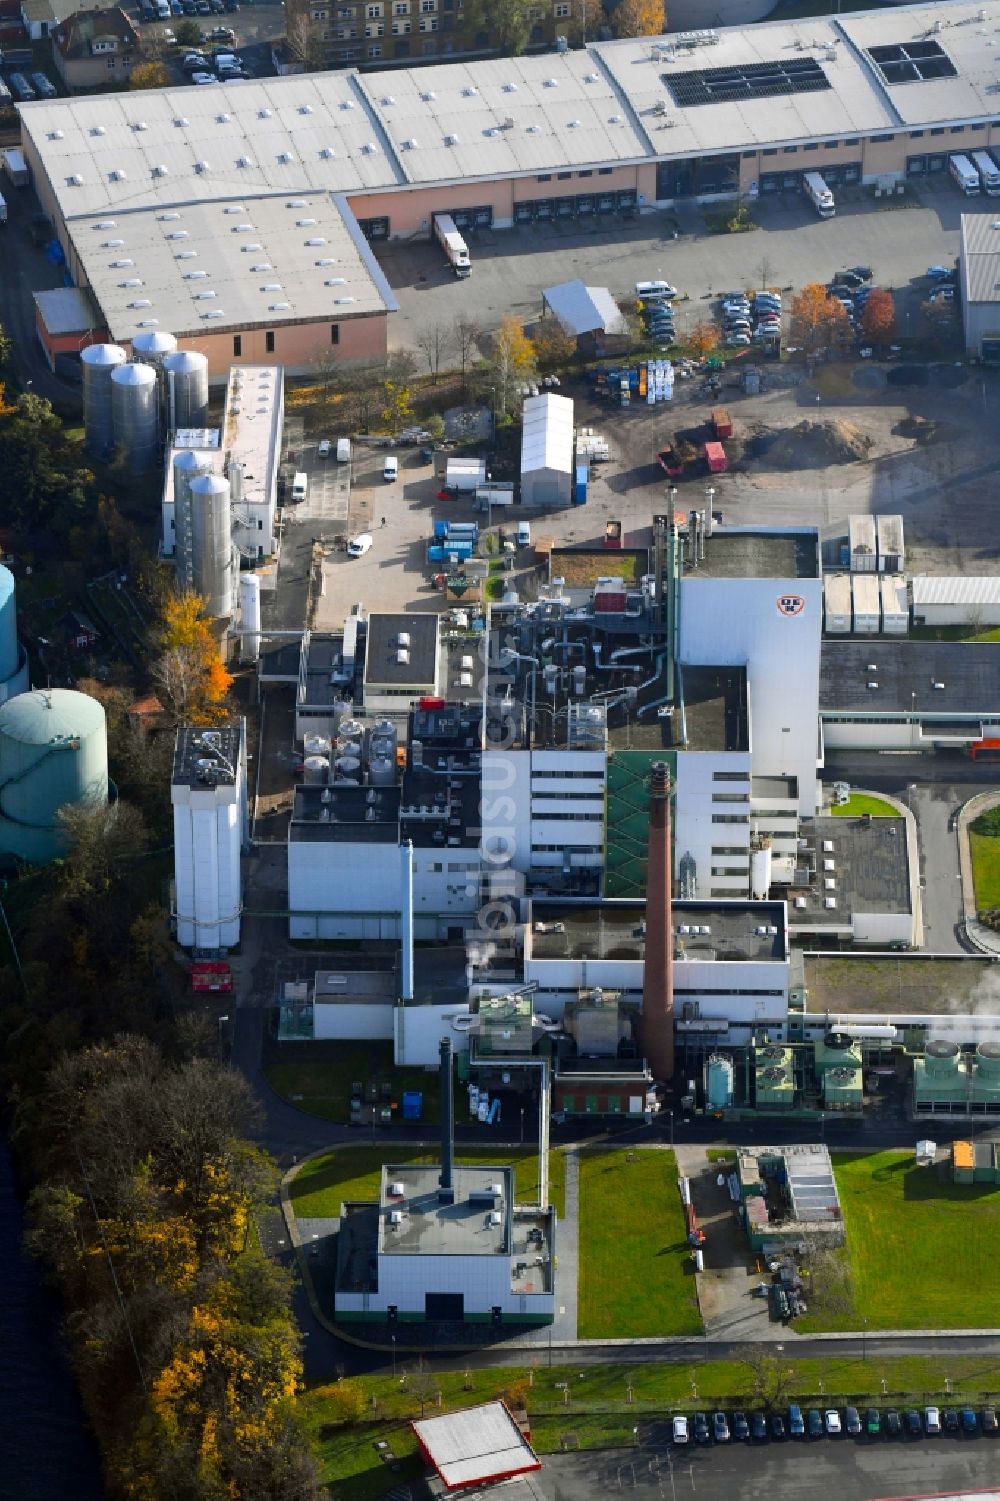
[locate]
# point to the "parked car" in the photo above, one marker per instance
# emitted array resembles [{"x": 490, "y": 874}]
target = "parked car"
[
  {"x": 680, "y": 1429},
  {"x": 932, "y": 1419},
  {"x": 942, "y": 294},
  {"x": 832, "y": 1423},
  {"x": 940, "y": 273},
  {"x": 323, "y": 448},
  {"x": 359, "y": 545},
  {"x": 911, "y": 1420},
  {"x": 967, "y": 1419},
  {"x": 893, "y": 1423},
  {"x": 865, "y": 273},
  {"x": 848, "y": 279},
  {"x": 741, "y": 1428},
  {"x": 949, "y": 1420},
  {"x": 758, "y": 1427},
  {"x": 988, "y": 1418},
  {"x": 873, "y": 1422},
  {"x": 777, "y": 1426},
  {"x": 796, "y": 1426},
  {"x": 737, "y": 341},
  {"x": 203, "y": 78},
  {"x": 195, "y": 61},
  {"x": 814, "y": 1422},
  {"x": 852, "y": 1421},
  {"x": 221, "y": 34},
  {"x": 701, "y": 1429},
  {"x": 720, "y": 1428}
]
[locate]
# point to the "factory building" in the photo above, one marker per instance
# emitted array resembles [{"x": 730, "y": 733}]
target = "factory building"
[
  {"x": 270, "y": 185},
  {"x": 895, "y": 694},
  {"x": 209, "y": 798},
  {"x": 788, "y": 1194},
  {"x": 447, "y": 1243},
  {"x": 972, "y": 601}
]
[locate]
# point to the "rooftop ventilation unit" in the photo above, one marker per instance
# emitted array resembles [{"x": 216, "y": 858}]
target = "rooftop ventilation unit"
[
  {"x": 285, "y": 157},
  {"x": 592, "y": 78},
  {"x": 139, "y": 125},
  {"x": 264, "y": 114},
  {"x": 148, "y": 322},
  {"x": 242, "y": 229},
  {"x": 251, "y": 247},
  {"x": 132, "y": 281},
  {"x": 224, "y": 118},
  {"x": 106, "y": 224},
  {"x": 97, "y": 130},
  {"x": 342, "y": 301},
  {"x": 387, "y": 99},
  {"x": 316, "y": 240},
  {"x": 872, "y": 686},
  {"x": 195, "y": 275},
  {"x": 532, "y": 130},
  {"x": 111, "y": 244},
  {"x": 510, "y": 88},
  {"x": 182, "y": 120},
  {"x": 186, "y": 255},
  {"x": 800, "y": 902},
  {"x": 214, "y": 313},
  {"x": 305, "y": 223},
  {"x": 574, "y": 125},
  {"x": 336, "y": 281},
  {"x": 278, "y": 307},
  {"x": 177, "y": 234},
  {"x": 141, "y": 302},
  {"x": 470, "y": 92},
  {"x": 75, "y": 181},
  {"x": 451, "y": 140},
  {"x": 937, "y": 686},
  {"x": 616, "y": 120},
  {"x": 202, "y": 167},
  {"x": 168, "y": 218},
  {"x": 305, "y": 109},
  {"x": 207, "y": 296},
  {"x": 397, "y": 1189},
  {"x": 120, "y": 265},
  {"x": 829, "y": 902},
  {"x": 370, "y": 148},
  {"x": 117, "y": 174},
  {"x": 55, "y": 135},
  {"x": 395, "y": 1217},
  {"x": 428, "y": 95},
  {"x": 410, "y": 145},
  {"x": 347, "y": 104},
  {"x": 327, "y": 153},
  {"x": 159, "y": 170},
  {"x": 263, "y": 266},
  {"x": 234, "y": 208},
  {"x": 327, "y": 260},
  {"x": 551, "y": 83}
]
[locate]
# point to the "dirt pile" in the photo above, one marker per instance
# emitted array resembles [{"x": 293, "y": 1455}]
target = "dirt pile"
[{"x": 815, "y": 445}]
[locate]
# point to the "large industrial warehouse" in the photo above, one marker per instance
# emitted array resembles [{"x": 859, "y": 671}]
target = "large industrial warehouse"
[{"x": 239, "y": 216}]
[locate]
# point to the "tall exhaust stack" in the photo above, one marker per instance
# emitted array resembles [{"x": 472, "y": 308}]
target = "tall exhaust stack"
[
  {"x": 446, "y": 1182},
  {"x": 406, "y": 923},
  {"x": 657, "y": 1028}
]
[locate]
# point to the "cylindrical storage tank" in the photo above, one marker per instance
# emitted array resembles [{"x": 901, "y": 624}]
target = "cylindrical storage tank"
[
  {"x": 135, "y": 414},
  {"x": 316, "y": 745},
  {"x": 99, "y": 361},
  {"x": 315, "y": 770},
  {"x": 718, "y": 1083},
  {"x": 350, "y": 729},
  {"x": 53, "y": 751},
  {"x": 188, "y": 465},
  {"x": 988, "y": 1060},
  {"x": 250, "y": 616},
  {"x": 152, "y": 346},
  {"x": 211, "y": 544},
  {"x": 760, "y": 873},
  {"x": 385, "y": 729},
  {"x": 942, "y": 1058},
  {"x": 382, "y": 771},
  {"x": 9, "y": 654},
  {"x": 348, "y": 768},
  {"x": 186, "y": 375}
]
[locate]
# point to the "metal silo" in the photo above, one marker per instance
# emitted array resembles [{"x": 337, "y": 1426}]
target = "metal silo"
[
  {"x": 13, "y": 659},
  {"x": 153, "y": 346},
  {"x": 250, "y": 619},
  {"x": 135, "y": 414},
  {"x": 212, "y": 546},
  {"x": 53, "y": 751},
  {"x": 189, "y": 464},
  {"x": 186, "y": 374},
  {"x": 99, "y": 361}
]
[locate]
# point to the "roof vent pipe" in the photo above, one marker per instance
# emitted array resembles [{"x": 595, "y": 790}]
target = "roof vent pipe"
[{"x": 446, "y": 1182}]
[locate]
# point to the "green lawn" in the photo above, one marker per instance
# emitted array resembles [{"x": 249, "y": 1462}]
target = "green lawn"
[
  {"x": 318, "y": 1077},
  {"x": 985, "y": 869},
  {"x": 597, "y": 1412},
  {"x": 636, "y": 1273},
  {"x": 318, "y": 1190},
  {"x": 858, "y": 803},
  {"x": 921, "y": 1249}
]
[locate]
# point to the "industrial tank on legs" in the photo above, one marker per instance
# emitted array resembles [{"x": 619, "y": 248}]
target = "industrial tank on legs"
[
  {"x": 136, "y": 415},
  {"x": 212, "y": 544},
  {"x": 53, "y": 752},
  {"x": 186, "y": 374},
  {"x": 99, "y": 361}
]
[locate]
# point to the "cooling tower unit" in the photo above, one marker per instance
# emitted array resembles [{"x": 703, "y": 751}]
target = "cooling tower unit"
[
  {"x": 53, "y": 751},
  {"x": 135, "y": 415},
  {"x": 13, "y": 660},
  {"x": 152, "y": 346},
  {"x": 186, "y": 375},
  {"x": 943, "y": 1058},
  {"x": 99, "y": 362},
  {"x": 249, "y": 617},
  {"x": 189, "y": 465},
  {"x": 211, "y": 544}
]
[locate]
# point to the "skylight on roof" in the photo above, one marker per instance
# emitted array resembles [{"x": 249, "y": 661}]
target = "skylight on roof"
[
  {"x": 182, "y": 120},
  {"x": 746, "y": 81},
  {"x": 912, "y": 62}
]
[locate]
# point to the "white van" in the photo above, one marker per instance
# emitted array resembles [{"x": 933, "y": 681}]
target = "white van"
[
  {"x": 390, "y": 470},
  {"x": 343, "y": 450},
  {"x": 300, "y": 487},
  {"x": 524, "y": 534}
]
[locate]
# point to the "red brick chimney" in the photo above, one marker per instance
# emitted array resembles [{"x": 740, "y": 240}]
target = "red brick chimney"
[{"x": 657, "y": 1028}]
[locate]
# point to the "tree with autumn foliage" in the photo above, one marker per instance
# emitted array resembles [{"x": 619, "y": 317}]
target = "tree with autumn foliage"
[
  {"x": 511, "y": 364},
  {"x": 189, "y": 673},
  {"x": 150, "y": 75},
  {"x": 640, "y": 18},
  {"x": 819, "y": 321},
  {"x": 704, "y": 337},
  {"x": 878, "y": 316},
  {"x": 553, "y": 346}
]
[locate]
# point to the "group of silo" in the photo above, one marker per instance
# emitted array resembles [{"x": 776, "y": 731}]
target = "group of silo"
[{"x": 130, "y": 403}]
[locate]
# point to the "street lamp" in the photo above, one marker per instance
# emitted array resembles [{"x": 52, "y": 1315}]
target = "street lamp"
[
  {"x": 222, "y": 1019},
  {"x": 864, "y": 1339},
  {"x": 393, "y": 1338}
]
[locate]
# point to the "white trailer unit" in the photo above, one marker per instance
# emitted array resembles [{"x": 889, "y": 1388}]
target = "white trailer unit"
[
  {"x": 452, "y": 244},
  {"x": 837, "y": 603},
  {"x": 964, "y": 175},
  {"x": 16, "y": 167},
  {"x": 819, "y": 194},
  {"x": 895, "y": 610},
  {"x": 890, "y": 544},
  {"x": 989, "y": 172},
  {"x": 867, "y": 601},
  {"x": 863, "y": 548},
  {"x": 465, "y": 474}
]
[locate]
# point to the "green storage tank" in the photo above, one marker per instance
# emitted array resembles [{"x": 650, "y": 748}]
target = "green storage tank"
[
  {"x": 53, "y": 751},
  {"x": 718, "y": 1082},
  {"x": 986, "y": 1076}
]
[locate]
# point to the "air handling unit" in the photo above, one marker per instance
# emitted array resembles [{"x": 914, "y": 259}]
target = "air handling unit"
[{"x": 940, "y": 1083}]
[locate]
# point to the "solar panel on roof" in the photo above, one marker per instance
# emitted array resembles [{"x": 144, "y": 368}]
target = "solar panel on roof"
[
  {"x": 794, "y": 75},
  {"x": 911, "y": 62}
]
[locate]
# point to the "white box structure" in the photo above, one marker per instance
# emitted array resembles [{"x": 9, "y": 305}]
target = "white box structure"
[{"x": 208, "y": 793}]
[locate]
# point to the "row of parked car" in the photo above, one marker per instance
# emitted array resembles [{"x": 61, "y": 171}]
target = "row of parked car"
[
  {"x": 37, "y": 86},
  {"x": 223, "y": 66},
  {"x": 758, "y": 1426},
  {"x": 656, "y": 299},
  {"x": 753, "y": 318}
]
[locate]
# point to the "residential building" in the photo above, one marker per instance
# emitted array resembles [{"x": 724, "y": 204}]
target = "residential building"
[{"x": 93, "y": 49}]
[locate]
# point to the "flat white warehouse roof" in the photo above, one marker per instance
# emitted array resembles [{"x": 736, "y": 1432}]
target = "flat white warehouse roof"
[
  {"x": 477, "y": 1445},
  {"x": 547, "y": 434},
  {"x": 934, "y": 589}
]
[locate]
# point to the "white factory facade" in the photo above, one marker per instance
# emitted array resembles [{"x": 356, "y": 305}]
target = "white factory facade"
[{"x": 209, "y": 798}]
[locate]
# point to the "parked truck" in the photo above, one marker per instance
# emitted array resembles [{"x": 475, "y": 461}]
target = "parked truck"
[
  {"x": 443, "y": 552},
  {"x": 453, "y": 531},
  {"x": 16, "y": 167},
  {"x": 722, "y": 423},
  {"x": 819, "y": 194},
  {"x": 452, "y": 244},
  {"x": 670, "y": 461}
]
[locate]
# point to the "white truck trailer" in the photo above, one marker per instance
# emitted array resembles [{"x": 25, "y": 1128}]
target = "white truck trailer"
[{"x": 452, "y": 244}]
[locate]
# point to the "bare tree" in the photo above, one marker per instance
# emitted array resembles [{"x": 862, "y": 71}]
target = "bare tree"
[
  {"x": 302, "y": 42},
  {"x": 770, "y": 1378},
  {"x": 178, "y": 677},
  {"x": 466, "y": 335},
  {"x": 765, "y": 271},
  {"x": 435, "y": 343}
]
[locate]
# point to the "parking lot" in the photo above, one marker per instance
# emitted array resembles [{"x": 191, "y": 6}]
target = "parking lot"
[
  {"x": 511, "y": 267},
  {"x": 256, "y": 27},
  {"x": 847, "y": 1469}
]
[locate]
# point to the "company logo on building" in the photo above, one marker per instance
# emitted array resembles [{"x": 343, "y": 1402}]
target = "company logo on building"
[{"x": 790, "y": 604}]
